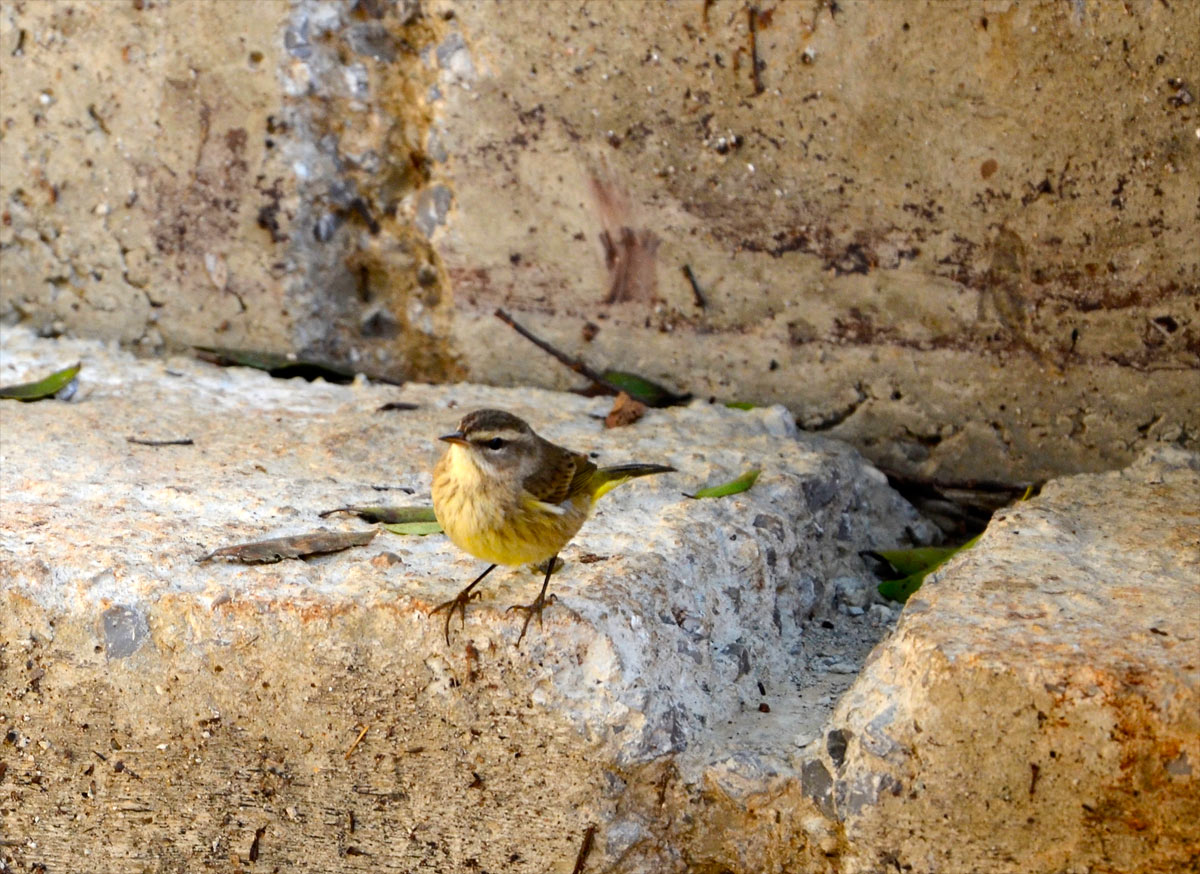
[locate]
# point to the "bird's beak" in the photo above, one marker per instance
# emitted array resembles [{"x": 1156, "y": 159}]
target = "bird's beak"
[{"x": 454, "y": 437}]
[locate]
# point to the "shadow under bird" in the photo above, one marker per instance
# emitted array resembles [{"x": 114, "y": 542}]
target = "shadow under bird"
[{"x": 507, "y": 496}]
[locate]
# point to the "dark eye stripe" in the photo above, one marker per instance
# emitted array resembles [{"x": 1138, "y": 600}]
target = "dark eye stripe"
[{"x": 490, "y": 442}]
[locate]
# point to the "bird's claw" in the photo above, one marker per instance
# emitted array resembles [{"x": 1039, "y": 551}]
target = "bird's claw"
[
  {"x": 531, "y": 610},
  {"x": 458, "y": 602}
]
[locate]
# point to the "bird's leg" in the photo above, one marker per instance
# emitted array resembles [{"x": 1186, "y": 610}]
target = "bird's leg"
[
  {"x": 459, "y": 602},
  {"x": 539, "y": 604}
]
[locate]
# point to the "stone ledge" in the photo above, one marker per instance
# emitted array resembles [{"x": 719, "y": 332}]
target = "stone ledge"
[
  {"x": 1035, "y": 709},
  {"x": 1041, "y": 700},
  {"x": 162, "y": 711}
]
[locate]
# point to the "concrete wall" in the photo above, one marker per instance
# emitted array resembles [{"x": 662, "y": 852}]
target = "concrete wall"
[{"x": 960, "y": 235}]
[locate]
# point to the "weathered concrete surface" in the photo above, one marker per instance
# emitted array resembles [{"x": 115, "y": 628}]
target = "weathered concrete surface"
[
  {"x": 158, "y": 714},
  {"x": 166, "y": 190},
  {"x": 916, "y": 224},
  {"x": 135, "y": 169},
  {"x": 1038, "y": 708}
]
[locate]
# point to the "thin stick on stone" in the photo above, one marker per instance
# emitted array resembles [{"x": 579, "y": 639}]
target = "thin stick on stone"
[
  {"x": 755, "y": 72},
  {"x": 573, "y": 363},
  {"x": 585, "y": 850},
  {"x": 354, "y": 745},
  {"x": 697, "y": 295}
]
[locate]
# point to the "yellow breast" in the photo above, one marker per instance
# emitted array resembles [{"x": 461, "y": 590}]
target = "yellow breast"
[{"x": 495, "y": 522}]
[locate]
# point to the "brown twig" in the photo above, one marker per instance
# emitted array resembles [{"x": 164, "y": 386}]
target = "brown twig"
[
  {"x": 354, "y": 745},
  {"x": 573, "y": 363},
  {"x": 255, "y": 844},
  {"x": 752, "y": 13},
  {"x": 589, "y": 838},
  {"x": 182, "y": 441},
  {"x": 697, "y": 294}
]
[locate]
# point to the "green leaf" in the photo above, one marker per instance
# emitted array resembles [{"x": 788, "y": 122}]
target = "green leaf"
[
  {"x": 909, "y": 561},
  {"x": 641, "y": 389},
  {"x": 43, "y": 388},
  {"x": 421, "y": 528},
  {"x": 733, "y": 487},
  {"x": 901, "y": 589},
  {"x": 391, "y": 515},
  {"x": 916, "y": 564},
  {"x": 740, "y": 405}
]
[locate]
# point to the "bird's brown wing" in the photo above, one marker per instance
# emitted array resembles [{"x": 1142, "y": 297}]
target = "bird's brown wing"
[{"x": 564, "y": 475}]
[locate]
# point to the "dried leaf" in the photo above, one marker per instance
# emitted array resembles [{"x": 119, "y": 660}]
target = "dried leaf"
[
  {"x": 625, "y": 411},
  {"x": 43, "y": 388},
  {"x": 298, "y": 546},
  {"x": 282, "y": 366},
  {"x": 391, "y": 515},
  {"x": 421, "y": 528},
  {"x": 733, "y": 487}
]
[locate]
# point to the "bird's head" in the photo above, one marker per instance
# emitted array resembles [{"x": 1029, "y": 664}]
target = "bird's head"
[{"x": 497, "y": 442}]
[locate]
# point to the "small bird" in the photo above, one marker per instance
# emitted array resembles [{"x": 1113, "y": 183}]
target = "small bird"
[{"x": 507, "y": 496}]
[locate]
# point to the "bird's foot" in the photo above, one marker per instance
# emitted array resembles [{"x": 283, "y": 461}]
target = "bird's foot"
[
  {"x": 531, "y": 610},
  {"x": 458, "y": 602}
]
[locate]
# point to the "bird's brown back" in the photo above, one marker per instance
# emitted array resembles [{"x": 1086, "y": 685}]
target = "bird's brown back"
[{"x": 563, "y": 475}]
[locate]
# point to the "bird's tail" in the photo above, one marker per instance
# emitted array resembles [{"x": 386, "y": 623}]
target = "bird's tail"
[{"x": 606, "y": 479}]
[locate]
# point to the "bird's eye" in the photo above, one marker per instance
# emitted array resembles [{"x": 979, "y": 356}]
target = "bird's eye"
[{"x": 495, "y": 443}]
